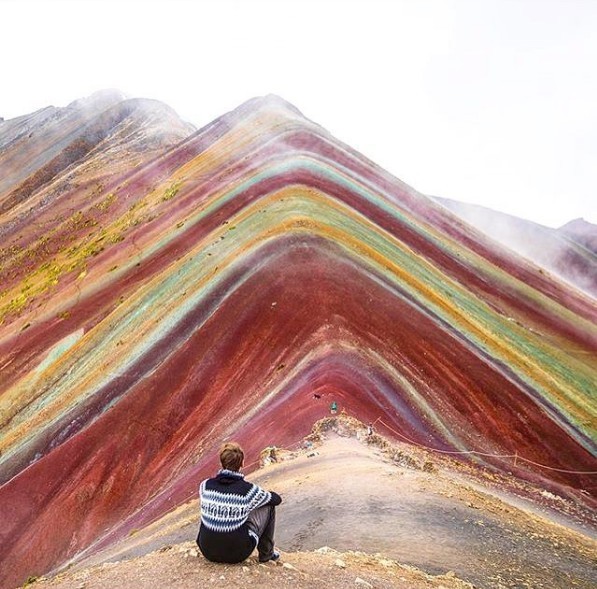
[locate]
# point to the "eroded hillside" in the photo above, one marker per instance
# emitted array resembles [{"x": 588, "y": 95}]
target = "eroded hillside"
[{"x": 164, "y": 289}]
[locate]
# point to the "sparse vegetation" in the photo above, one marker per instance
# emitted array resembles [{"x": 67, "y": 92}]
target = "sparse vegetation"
[
  {"x": 172, "y": 191},
  {"x": 106, "y": 202},
  {"x": 428, "y": 466}
]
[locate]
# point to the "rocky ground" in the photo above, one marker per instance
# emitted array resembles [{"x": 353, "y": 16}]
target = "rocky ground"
[
  {"x": 181, "y": 567},
  {"x": 350, "y": 498}
]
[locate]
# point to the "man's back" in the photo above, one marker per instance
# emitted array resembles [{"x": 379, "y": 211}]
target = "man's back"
[
  {"x": 236, "y": 516},
  {"x": 226, "y": 503}
]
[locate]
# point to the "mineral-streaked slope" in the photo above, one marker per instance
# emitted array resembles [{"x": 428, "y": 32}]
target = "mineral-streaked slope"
[
  {"x": 569, "y": 252},
  {"x": 164, "y": 289}
]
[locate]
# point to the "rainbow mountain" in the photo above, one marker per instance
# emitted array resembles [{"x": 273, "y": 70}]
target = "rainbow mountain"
[{"x": 164, "y": 289}]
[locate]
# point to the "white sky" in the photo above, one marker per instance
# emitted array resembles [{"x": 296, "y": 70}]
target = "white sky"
[{"x": 486, "y": 101}]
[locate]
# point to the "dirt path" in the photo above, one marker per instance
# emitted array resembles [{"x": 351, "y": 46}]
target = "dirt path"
[{"x": 352, "y": 496}]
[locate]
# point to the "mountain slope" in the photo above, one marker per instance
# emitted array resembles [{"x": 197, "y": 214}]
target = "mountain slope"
[
  {"x": 352, "y": 492},
  {"x": 168, "y": 290},
  {"x": 569, "y": 252}
]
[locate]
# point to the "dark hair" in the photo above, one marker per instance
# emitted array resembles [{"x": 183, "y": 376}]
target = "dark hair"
[{"x": 231, "y": 456}]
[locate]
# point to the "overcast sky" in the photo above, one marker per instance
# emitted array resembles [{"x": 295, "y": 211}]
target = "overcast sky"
[{"x": 489, "y": 102}]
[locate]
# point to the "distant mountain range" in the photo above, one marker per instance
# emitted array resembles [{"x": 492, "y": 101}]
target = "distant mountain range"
[
  {"x": 164, "y": 289},
  {"x": 569, "y": 252}
]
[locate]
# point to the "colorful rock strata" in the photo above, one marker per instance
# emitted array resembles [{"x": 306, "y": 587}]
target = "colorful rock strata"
[{"x": 164, "y": 289}]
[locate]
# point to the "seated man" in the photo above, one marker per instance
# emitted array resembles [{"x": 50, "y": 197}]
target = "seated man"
[{"x": 236, "y": 516}]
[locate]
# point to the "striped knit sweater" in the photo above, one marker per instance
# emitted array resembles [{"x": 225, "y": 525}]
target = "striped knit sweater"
[{"x": 226, "y": 501}]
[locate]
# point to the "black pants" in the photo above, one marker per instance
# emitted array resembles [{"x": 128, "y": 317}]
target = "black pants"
[{"x": 262, "y": 522}]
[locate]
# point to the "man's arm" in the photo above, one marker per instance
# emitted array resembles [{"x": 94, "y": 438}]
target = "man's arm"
[
  {"x": 275, "y": 500},
  {"x": 263, "y": 497}
]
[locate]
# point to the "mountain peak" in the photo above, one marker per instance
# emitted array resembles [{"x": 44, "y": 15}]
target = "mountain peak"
[
  {"x": 273, "y": 101},
  {"x": 270, "y": 105},
  {"x": 99, "y": 100},
  {"x": 165, "y": 290}
]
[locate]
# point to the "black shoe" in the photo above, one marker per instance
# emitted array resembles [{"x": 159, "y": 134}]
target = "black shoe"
[{"x": 274, "y": 557}]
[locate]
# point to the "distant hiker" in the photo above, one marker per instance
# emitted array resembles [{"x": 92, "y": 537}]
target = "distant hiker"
[
  {"x": 370, "y": 429},
  {"x": 333, "y": 407},
  {"x": 236, "y": 516}
]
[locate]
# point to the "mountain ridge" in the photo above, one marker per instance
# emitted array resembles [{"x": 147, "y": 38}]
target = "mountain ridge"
[
  {"x": 202, "y": 289},
  {"x": 439, "y": 499},
  {"x": 569, "y": 252}
]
